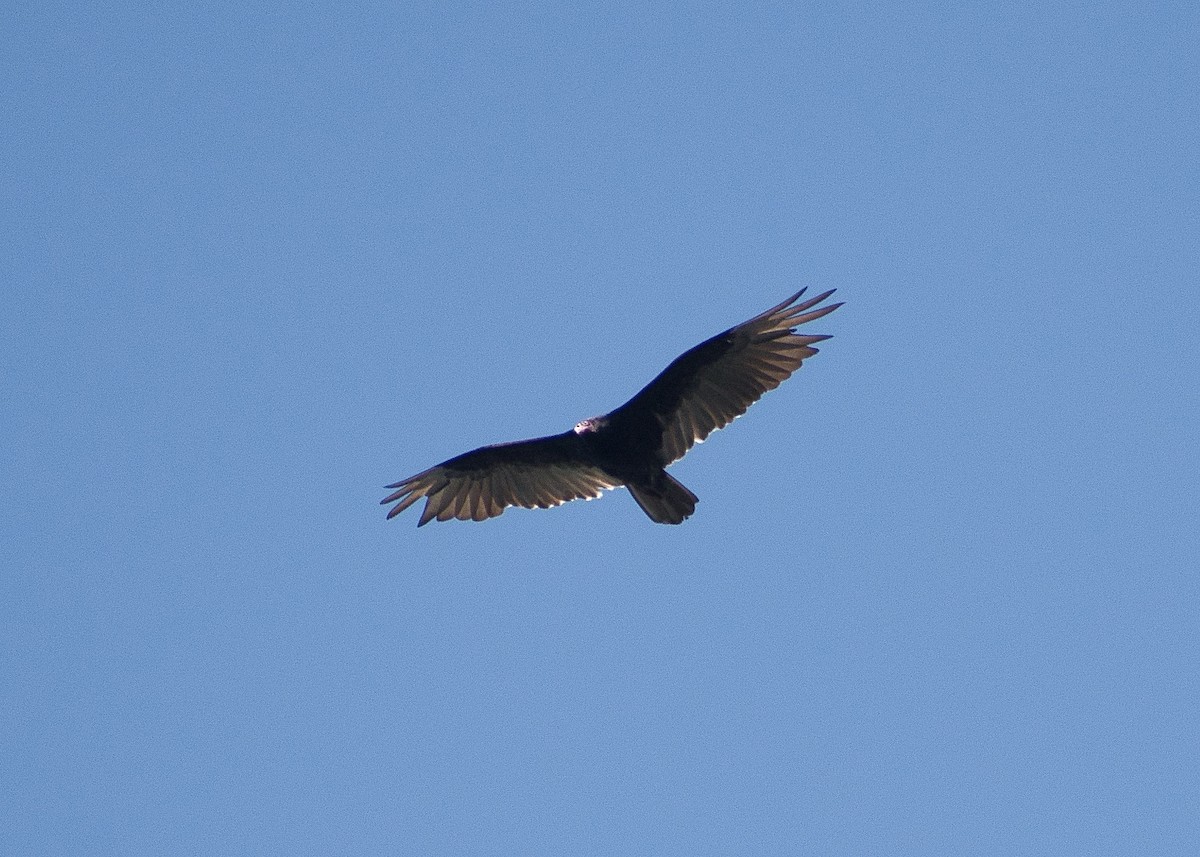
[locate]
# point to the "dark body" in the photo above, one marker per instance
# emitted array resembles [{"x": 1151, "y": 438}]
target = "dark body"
[{"x": 702, "y": 390}]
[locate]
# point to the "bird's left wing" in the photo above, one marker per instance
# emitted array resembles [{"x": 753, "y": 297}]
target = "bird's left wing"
[
  {"x": 480, "y": 484},
  {"x": 706, "y": 387}
]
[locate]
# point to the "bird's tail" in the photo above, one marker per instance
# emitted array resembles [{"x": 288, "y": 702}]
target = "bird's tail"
[{"x": 664, "y": 498}]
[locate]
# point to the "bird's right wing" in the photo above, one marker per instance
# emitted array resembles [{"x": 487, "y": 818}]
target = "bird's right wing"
[{"x": 480, "y": 484}]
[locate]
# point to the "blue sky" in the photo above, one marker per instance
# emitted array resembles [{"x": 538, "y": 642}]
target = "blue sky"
[{"x": 940, "y": 595}]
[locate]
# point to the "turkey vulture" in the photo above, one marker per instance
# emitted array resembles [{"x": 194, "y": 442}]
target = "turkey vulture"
[{"x": 702, "y": 390}]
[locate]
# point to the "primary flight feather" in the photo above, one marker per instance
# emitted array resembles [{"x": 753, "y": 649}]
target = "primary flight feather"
[{"x": 701, "y": 391}]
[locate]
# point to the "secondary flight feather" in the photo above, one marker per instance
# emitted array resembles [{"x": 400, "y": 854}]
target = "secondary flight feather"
[{"x": 702, "y": 390}]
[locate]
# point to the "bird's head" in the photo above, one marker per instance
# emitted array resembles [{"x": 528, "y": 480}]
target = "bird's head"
[{"x": 592, "y": 425}]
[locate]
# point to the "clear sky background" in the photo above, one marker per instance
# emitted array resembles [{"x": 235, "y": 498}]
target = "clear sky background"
[{"x": 941, "y": 592}]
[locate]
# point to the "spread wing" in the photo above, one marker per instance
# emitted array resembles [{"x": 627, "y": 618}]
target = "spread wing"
[
  {"x": 480, "y": 484},
  {"x": 705, "y": 388}
]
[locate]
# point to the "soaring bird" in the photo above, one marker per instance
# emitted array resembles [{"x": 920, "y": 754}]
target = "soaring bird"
[{"x": 702, "y": 390}]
